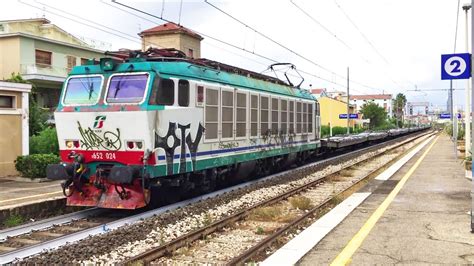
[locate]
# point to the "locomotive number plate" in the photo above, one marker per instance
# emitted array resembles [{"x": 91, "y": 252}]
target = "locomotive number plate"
[{"x": 103, "y": 155}]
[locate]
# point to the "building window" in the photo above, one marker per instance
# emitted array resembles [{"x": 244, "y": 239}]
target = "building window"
[
  {"x": 274, "y": 115},
  {"x": 71, "y": 62},
  {"x": 84, "y": 61},
  {"x": 183, "y": 93},
  {"x": 298, "y": 117},
  {"x": 43, "y": 57},
  {"x": 227, "y": 111},
  {"x": 190, "y": 53},
  {"x": 241, "y": 115},
  {"x": 263, "y": 115},
  {"x": 253, "y": 115},
  {"x": 284, "y": 115},
  {"x": 211, "y": 114},
  {"x": 7, "y": 102},
  {"x": 292, "y": 117}
]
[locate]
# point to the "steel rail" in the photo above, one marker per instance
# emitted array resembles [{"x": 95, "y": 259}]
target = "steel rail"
[
  {"x": 47, "y": 223},
  {"x": 266, "y": 242},
  {"x": 29, "y": 251},
  {"x": 168, "y": 248}
]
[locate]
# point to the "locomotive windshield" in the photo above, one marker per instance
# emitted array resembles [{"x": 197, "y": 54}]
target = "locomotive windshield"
[
  {"x": 129, "y": 88},
  {"x": 83, "y": 90}
]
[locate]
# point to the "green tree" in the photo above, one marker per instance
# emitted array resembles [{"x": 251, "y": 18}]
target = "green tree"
[
  {"x": 375, "y": 113},
  {"x": 37, "y": 117},
  {"x": 399, "y": 104}
]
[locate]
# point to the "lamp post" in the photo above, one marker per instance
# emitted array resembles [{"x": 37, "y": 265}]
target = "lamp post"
[{"x": 467, "y": 107}]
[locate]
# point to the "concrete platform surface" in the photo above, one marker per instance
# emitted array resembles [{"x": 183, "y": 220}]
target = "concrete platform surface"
[
  {"x": 428, "y": 222},
  {"x": 16, "y": 191}
]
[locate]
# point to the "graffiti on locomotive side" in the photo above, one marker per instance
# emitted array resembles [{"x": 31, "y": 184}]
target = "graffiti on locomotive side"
[
  {"x": 170, "y": 142},
  {"x": 91, "y": 139}
]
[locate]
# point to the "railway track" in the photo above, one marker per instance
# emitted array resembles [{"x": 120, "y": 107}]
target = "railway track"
[
  {"x": 243, "y": 235},
  {"x": 94, "y": 227}
]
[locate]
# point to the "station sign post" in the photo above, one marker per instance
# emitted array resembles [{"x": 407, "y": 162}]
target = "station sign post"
[
  {"x": 472, "y": 120},
  {"x": 458, "y": 66}
]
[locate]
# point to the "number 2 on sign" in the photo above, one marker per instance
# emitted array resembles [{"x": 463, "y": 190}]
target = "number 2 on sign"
[{"x": 456, "y": 68}]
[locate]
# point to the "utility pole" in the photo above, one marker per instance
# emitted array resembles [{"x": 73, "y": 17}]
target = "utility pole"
[
  {"x": 467, "y": 107},
  {"x": 348, "y": 101}
]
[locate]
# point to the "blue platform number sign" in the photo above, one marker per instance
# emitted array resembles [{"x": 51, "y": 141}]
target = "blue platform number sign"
[
  {"x": 351, "y": 116},
  {"x": 456, "y": 66},
  {"x": 448, "y": 116}
]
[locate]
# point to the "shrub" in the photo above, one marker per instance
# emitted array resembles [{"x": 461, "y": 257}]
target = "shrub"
[
  {"x": 45, "y": 142},
  {"x": 13, "y": 220},
  {"x": 324, "y": 131},
  {"x": 34, "y": 165}
]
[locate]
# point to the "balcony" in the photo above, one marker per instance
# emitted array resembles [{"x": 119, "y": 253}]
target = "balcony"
[{"x": 45, "y": 73}]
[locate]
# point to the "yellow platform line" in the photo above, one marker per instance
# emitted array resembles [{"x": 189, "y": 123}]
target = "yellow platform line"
[
  {"x": 346, "y": 254},
  {"x": 32, "y": 196}
]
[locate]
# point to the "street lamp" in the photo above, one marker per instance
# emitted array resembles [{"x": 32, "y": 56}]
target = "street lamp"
[{"x": 467, "y": 107}]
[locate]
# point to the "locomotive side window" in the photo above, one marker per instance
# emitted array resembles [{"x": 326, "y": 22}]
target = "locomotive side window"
[
  {"x": 305, "y": 118},
  {"x": 263, "y": 115},
  {"x": 292, "y": 117},
  {"x": 274, "y": 115},
  {"x": 165, "y": 93},
  {"x": 211, "y": 115},
  {"x": 183, "y": 93},
  {"x": 284, "y": 115},
  {"x": 83, "y": 90},
  {"x": 127, "y": 88},
  {"x": 253, "y": 115},
  {"x": 310, "y": 117},
  {"x": 298, "y": 117},
  {"x": 241, "y": 115},
  {"x": 227, "y": 111}
]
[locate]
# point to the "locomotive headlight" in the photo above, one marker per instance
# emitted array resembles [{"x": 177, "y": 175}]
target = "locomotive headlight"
[
  {"x": 107, "y": 64},
  {"x": 70, "y": 144}
]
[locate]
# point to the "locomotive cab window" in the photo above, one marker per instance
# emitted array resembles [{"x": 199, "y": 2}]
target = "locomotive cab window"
[
  {"x": 128, "y": 88},
  {"x": 183, "y": 93},
  {"x": 82, "y": 90}
]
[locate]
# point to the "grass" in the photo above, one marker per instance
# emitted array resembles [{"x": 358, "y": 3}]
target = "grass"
[
  {"x": 13, "y": 220},
  {"x": 270, "y": 213},
  {"x": 301, "y": 203}
]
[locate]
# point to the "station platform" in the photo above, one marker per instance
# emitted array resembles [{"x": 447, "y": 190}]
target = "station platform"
[
  {"x": 17, "y": 191},
  {"x": 420, "y": 215}
]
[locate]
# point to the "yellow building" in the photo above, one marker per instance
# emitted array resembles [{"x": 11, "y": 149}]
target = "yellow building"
[
  {"x": 330, "y": 110},
  {"x": 43, "y": 54},
  {"x": 13, "y": 124},
  {"x": 171, "y": 35}
]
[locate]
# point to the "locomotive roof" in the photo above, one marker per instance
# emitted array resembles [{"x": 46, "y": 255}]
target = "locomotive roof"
[{"x": 192, "y": 71}]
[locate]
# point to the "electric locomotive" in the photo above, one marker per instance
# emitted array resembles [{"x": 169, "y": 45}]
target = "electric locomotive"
[{"x": 140, "y": 126}]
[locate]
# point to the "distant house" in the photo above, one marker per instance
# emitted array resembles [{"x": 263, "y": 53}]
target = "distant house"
[
  {"x": 14, "y": 128},
  {"x": 43, "y": 54},
  {"x": 330, "y": 109},
  {"x": 382, "y": 100},
  {"x": 319, "y": 93},
  {"x": 171, "y": 35}
]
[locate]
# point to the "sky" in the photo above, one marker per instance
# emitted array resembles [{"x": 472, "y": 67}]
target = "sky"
[{"x": 389, "y": 46}]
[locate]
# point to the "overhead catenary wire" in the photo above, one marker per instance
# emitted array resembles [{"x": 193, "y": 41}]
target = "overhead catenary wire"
[
  {"x": 216, "y": 39},
  {"x": 372, "y": 46},
  {"x": 111, "y": 31},
  {"x": 285, "y": 47}
]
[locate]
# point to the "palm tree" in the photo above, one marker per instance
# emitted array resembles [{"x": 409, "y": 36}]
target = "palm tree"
[{"x": 399, "y": 104}]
